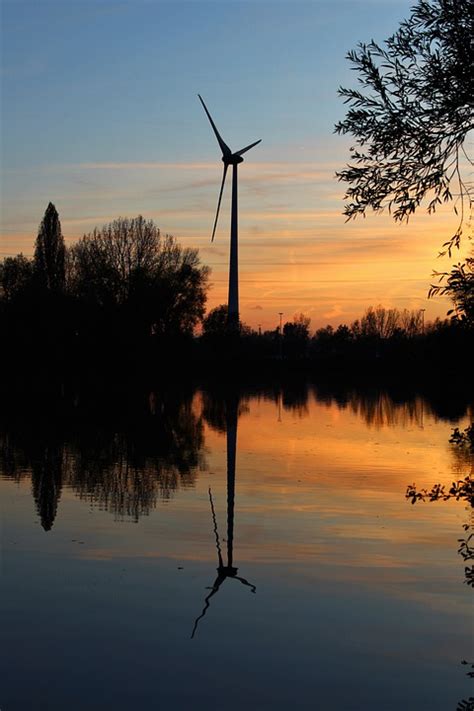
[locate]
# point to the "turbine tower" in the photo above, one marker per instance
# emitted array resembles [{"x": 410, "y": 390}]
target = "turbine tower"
[{"x": 232, "y": 159}]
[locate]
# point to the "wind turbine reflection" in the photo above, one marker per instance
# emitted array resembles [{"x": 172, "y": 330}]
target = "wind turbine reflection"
[{"x": 225, "y": 571}]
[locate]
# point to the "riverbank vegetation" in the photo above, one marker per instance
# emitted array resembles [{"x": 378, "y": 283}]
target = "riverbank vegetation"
[{"x": 126, "y": 300}]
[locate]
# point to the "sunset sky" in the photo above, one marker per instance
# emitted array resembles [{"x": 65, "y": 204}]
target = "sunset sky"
[{"x": 100, "y": 116}]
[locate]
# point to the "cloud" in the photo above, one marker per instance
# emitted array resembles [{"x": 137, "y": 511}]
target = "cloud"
[
  {"x": 254, "y": 166},
  {"x": 136, "y": 165},
  {"x": 213, "y": 252},
  {"x": 334, "y": 312}
]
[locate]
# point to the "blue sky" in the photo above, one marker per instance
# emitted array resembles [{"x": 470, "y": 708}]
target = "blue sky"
[
  {"x": 118, "y": 81},
  {"x": 100, "y": 115}
]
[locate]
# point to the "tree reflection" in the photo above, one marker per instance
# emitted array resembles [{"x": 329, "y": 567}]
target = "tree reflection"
[
  {"x": 47, "y": 483},
  {"x": 220, "y": 406},
  {"x": 122, "y": 461},
  {"x": 40, "y": 454},
  {"x": 460, "y": 490},
  {"x": 127, "y": 472},
  {"x": 294, "y": 397},
  {"x": 379, "y": 407},
  {"x": 394, "y": 405},
  {"x": 229, "y": 411}
]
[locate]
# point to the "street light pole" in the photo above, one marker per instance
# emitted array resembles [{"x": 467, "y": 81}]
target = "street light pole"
[
  {"x": 281, "y": 334},
  {"x": 423, "y": 320}
]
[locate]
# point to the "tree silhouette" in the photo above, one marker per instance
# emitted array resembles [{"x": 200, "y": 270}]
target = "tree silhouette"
[
  {"x": 459, "y": 286},
  {"x": 215, "y": 322},
  {"x": 15, "y": 276},
  {"x": 150, "y": 280},
  {"x": 297, "y": 329},
  {"x": 411, "y": 115},
  {"x": 380, "y": 322},
  {"x": 49, "y": 259}
]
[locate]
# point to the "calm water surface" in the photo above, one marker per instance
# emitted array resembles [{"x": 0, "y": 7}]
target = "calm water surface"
[{"x": 229, "y": 551}]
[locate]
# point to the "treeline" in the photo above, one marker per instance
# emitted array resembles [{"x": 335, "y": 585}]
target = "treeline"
[
  {"x": 126, "y": 301},
  {"x": 389, "y": 341},
  {"x": 121, "y": 294}
]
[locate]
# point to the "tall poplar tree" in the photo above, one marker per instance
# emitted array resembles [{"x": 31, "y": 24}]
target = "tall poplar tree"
[{"x": 50, "y": 252}]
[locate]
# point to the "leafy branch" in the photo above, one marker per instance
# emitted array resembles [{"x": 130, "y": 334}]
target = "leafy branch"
[{"x": 410, "y": 116}]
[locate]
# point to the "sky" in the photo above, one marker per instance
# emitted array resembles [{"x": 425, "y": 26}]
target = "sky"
[{"x": 100, "y": 116}]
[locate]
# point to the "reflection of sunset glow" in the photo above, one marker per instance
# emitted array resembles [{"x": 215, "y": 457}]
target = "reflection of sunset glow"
[
  {"x": 321, "y": 527},
  {"x": 342, "y": 474}
]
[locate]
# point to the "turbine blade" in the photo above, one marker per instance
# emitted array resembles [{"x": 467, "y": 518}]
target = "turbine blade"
[
  {"x": 219, "y": 202},
  {"x": 224, "y": 147},
  {"x": 247, "y": 148}
]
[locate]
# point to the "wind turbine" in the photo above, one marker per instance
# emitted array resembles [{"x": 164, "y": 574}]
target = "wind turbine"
[{"x": 232, "y": 159}]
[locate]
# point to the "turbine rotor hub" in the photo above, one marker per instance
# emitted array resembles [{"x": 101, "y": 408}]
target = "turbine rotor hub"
[{"x": 233, "y": 159}]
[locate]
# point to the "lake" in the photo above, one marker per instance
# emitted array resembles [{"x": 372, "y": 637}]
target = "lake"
[{"x": 227, "y": 549}]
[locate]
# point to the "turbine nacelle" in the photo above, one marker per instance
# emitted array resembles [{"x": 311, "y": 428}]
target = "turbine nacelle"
[{"x": 234, "y": 159}]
